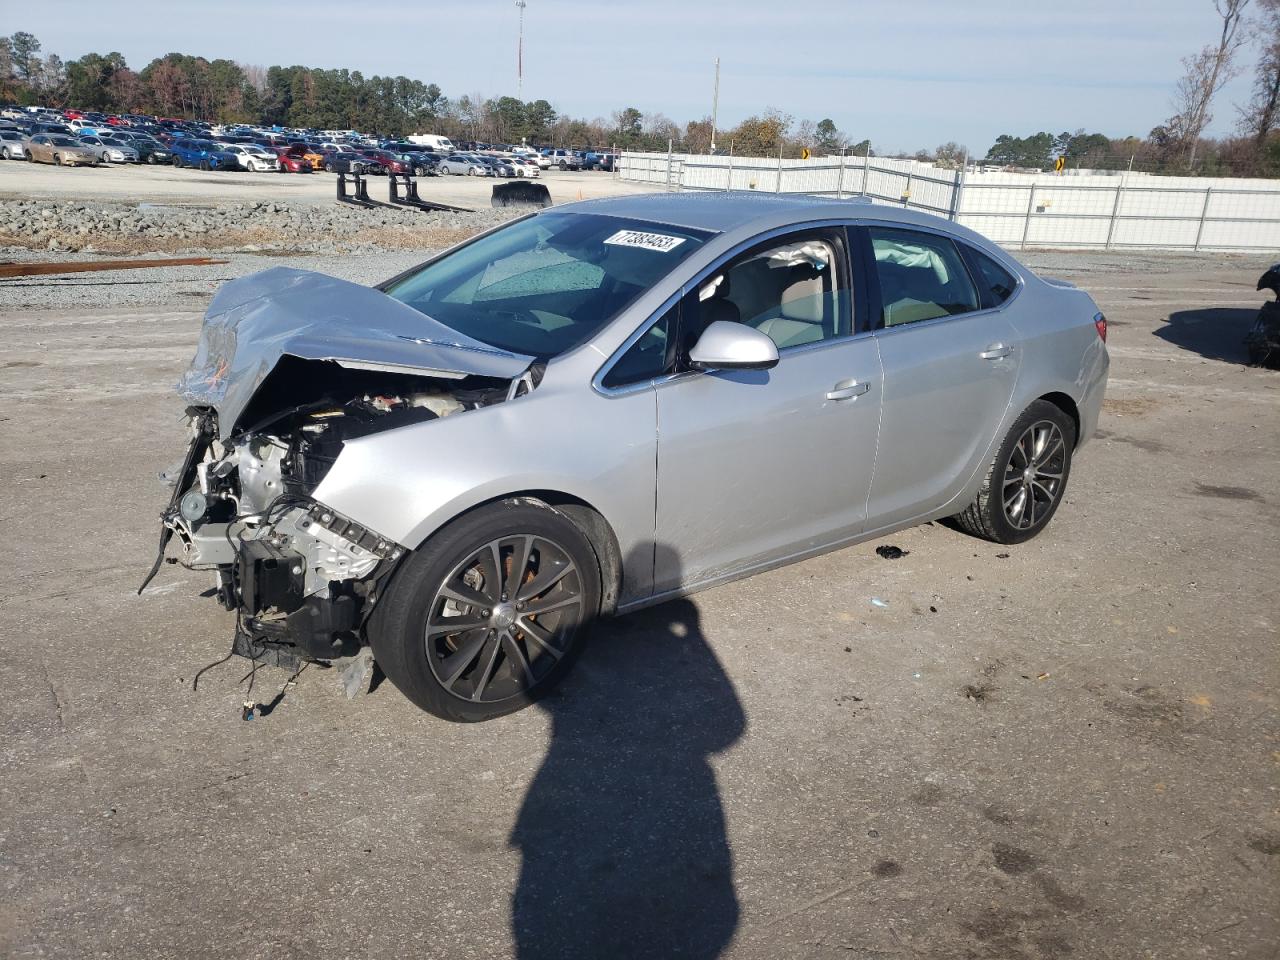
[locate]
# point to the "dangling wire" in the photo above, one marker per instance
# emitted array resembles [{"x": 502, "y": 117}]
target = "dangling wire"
[{"x": 195, "y": 681}]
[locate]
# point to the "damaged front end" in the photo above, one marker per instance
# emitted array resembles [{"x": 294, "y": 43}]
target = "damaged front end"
[{"x": 291, "y": 366}]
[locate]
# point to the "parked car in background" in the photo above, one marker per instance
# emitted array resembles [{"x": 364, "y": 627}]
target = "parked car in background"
[
  {"x": 598, "y": 160},
  {"x": 292, "y": 162},
  {"x": 150, "y": 150},
  {"x": 438, "y": 143},
  {"x": 109, "y": 149},
  {"x": 253, "y": 158},
  {"x": 499, "y": 166},
  {"x": 51, "y": 127},
  {"x": 383, "y": 162},
  {"x": 347, "y": 162},
  {"x": 463, "y": 165},
  {"x": 421, "y": 163},
  {"x": 204, "y": 154},
  {"x": 525, "y": 167},
  {"x": 13, "y": 145},
  {"x": 543, "y": 162},
  {"x": 564, "y": 159},
  {"x": 58, "y": 149}
]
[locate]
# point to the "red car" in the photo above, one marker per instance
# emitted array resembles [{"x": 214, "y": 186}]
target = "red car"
[
  {"x": 293, "y": 161},
  {"x": 383, "y": 162}
]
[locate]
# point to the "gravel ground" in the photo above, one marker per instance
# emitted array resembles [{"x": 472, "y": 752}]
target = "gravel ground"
[
  {"x": 183, "y": 287},
  {"x": 1064, "y": 750},
  {"x": 106, "y": 228}
]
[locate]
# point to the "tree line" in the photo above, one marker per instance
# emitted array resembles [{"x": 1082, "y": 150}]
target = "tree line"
[{"x": 189, "y": 87}]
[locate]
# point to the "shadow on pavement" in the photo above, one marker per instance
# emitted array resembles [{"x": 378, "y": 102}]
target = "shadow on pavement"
[
  {"x": 622, "y": 833},
  {"x": 1216, "y": 333}
]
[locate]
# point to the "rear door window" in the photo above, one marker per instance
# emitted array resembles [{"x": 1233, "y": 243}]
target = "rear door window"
[
  {"x": 922, "y": 276},
  {"x": 996, "y": 282}
]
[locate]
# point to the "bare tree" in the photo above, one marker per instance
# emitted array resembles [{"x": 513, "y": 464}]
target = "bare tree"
[
  {"x": 1261, "y": 115},
  {"x": 1206, "y": 72},
  {"x": 255, "y": 75}
]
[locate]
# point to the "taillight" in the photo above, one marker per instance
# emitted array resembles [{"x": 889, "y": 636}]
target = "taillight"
[{"x": 1100, "y": 322}]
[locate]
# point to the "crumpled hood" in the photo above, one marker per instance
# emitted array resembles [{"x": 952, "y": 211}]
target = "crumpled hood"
[{"x": 254, "y": 321}]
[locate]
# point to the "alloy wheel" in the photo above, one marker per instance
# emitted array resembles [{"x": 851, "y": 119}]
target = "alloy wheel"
[
  {"x": 1033, "y": 475},
  {"x": 503, "y": 618}
]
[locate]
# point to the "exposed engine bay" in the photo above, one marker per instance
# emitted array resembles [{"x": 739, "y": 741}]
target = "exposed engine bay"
[
  {"x": 300, "y": 576},
  {"x": 269, "y": 417}
]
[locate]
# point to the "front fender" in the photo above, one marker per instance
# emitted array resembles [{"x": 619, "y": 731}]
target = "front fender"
[{"x": 409, "y": 482}]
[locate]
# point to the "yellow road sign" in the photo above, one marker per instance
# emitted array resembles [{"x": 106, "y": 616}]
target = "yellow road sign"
[
  {"x": 1060, "y": 164},
  {"x": 804, "y": 153}
]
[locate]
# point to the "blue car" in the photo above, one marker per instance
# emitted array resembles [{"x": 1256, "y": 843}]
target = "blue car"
[{"x": 204, "y": 154}]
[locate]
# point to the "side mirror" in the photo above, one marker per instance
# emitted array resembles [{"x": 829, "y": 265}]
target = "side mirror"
[{"x": 725, "y": 345}]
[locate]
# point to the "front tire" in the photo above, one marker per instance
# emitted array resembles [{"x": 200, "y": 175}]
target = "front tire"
[
  {"x": 490, "y": 613},
  {"x": 1026, "y": 479}
]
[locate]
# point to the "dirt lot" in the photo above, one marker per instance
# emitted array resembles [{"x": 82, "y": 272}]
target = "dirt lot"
[
  {"x": 129, "y": 183},
  {"x": 1067, "y": 749}
]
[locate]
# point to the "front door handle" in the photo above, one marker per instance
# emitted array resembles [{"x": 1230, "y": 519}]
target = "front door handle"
[
  {"x": 847, "y": 390},
  {"x": 997, "y": 351}
]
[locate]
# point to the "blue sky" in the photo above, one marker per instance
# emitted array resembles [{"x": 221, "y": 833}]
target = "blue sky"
[{"x": 906, "y": 75}]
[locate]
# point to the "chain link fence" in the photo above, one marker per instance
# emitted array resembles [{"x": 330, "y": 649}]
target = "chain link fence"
[{"x": 1016, "y": 210}]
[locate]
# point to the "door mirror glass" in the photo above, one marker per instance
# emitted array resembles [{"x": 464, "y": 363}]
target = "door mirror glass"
[{"x": 725, "y": 345}]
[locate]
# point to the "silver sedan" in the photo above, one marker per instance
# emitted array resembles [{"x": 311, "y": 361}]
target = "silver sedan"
[
  {"x": 109, "y": 149},
  {"x": 12, "y": 145},
  {"x": 464, "y": 165},
  {"x": 604, "y": 406}
]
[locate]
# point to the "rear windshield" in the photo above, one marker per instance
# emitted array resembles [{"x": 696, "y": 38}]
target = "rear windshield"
[{"x": 547, "y": 284}]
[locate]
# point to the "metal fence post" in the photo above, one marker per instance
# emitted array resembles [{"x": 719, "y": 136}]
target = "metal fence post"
[
  {"x": 866, "y": 163},
  {"x": 957, "y": 194},
  {"x": 1031, "y": 206},
  {"x": 778, "y": 186},
  {"x": 906, "y": 194},
  {"x": 728, "y": 183},
  {"x": 668, "y": 164},
  {"x": 1115, "y": 213},
  {"x": 1204, "y": 212}
]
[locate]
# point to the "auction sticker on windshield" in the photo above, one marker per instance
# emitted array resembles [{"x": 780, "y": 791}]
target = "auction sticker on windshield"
[{"x": 660, "y": 242}]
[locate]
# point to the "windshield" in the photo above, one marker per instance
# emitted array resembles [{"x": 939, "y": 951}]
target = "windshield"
[
  {"x": 63, "y": 142},
  {"x": 547, "y": 284}
]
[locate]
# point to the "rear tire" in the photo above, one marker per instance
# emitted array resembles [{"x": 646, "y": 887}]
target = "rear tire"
[
  {"x": 500, "y": 664},
  {"x": 1026, "y": 479}
]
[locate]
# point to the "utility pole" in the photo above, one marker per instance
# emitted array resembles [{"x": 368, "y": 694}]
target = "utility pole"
[
  {"x": 520, "y": 5},
  {"x": 715, "y": 106}
]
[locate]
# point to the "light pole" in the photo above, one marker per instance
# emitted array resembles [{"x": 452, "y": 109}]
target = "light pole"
[
  {"x": 520, "y": 5},
  {"x": 715, "y": 106}
]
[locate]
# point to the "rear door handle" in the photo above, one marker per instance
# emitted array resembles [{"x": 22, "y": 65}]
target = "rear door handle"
[
  {"x": 847, "y": 390},
  {"x": 996, "y": 351}
]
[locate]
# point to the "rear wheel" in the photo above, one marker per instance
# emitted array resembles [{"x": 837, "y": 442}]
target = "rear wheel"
[
  {"x": 1026, "y": 479},
  {"x": 490, "y": 614}
]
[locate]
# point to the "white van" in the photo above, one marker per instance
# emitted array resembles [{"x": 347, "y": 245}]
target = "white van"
[{"x": 435, "y": 141}]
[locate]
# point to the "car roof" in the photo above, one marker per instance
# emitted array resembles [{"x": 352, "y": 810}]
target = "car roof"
[{"x": 749, "y": 211}]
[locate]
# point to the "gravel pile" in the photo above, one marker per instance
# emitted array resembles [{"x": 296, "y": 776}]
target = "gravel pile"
[
  {"x": 182, "y": 288},
  {"x": 100, "y": 227}
]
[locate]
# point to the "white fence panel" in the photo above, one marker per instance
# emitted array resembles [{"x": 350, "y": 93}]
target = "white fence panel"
[{"x": 1087, "y": 210}]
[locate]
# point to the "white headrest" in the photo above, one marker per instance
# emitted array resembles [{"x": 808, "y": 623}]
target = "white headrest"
[{"x": 803, "y": 300}]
